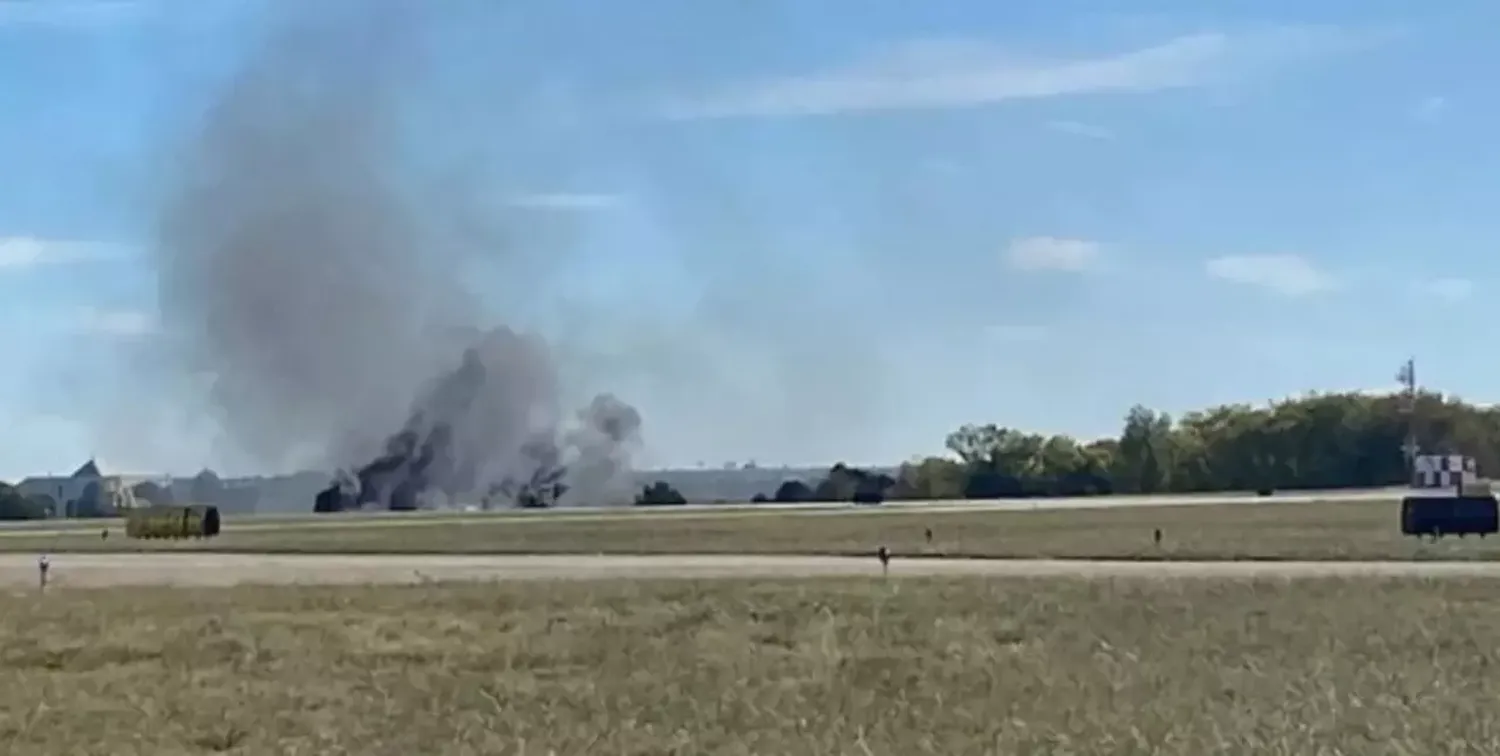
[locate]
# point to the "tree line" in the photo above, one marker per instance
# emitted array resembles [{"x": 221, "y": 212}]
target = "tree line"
[
  {"x": 1337, "y": 440},
  {"x": 1327, "y": 440}
]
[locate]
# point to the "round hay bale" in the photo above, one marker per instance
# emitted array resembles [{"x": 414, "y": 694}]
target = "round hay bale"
[
  {"x": 210, "y": 522},
  {"x": 195, "y": 521}
]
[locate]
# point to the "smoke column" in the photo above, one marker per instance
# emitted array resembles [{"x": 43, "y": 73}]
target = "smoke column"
[
  {"x": 300, "y": 273},
  {"x": 288, "y": 267}
]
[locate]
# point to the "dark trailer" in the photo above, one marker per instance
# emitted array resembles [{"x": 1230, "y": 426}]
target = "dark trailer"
[{"x": 1440, "y": 515}]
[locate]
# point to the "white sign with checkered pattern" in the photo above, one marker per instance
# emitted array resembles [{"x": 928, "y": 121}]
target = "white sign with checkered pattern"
[{"x": 1443, "y": 471}]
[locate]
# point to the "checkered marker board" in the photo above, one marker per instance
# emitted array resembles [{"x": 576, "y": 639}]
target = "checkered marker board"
[{"x": 1443, "y": 471}]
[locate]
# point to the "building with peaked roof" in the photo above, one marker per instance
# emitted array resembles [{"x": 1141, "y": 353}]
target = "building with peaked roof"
[{"x": 62, "y": 494}]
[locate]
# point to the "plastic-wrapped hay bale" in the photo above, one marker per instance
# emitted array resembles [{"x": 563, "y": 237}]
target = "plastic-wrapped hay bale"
[
  {"x": 193, "y": 521},
  {"x": 157, "y": 522}
]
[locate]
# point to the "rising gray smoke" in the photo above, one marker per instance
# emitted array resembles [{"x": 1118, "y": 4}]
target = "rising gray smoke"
[
  {"x": 299, "y": 271},
  {"x": 608, "y": 433},
  {"x": 489, "y": 430}
]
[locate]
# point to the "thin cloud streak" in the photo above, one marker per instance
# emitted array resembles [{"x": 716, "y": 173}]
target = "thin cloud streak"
[
  {"x": 123, "y": 323},
  {"x": 934, "y": 74},
  {"x": 1079, "y": 129},
  {"x": 1431, "y": 109},
  {"x": 68, "y": 14},
  {"x": 22, "y": 252},
  {"x": 565, "y": 201},
  {"x": 1284, "y": 274},
  {"x": 1448, "y": 289},
  {"x": 1050, "y": 253},
  {"x": 1017, "y": 334}
]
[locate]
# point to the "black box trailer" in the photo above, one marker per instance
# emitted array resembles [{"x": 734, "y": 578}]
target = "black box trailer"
[{"x": 1461, "y": 515}]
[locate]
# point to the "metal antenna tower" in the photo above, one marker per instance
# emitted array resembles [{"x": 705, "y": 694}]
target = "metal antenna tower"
[{"x": 1408, "y": 379}]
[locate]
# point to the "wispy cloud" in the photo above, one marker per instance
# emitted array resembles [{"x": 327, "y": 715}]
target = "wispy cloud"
[
  {"x": 941, "y": 167},
  {"x": 70, "y": 13},
  {"x": 1016, "y": 334},
  {"x": 28, "y": 252},
  {"x": 1079, "y": 129},
  {"x": 1284, "y": 274},
  {"x": 1447, "y": 289},
  {"x": 564, "y": 201},
  {"x": 1430, "y": 109},
  {"x": 103, "y": 322},
  {"x": 964, "y": 73},
  {"x": 1036, "y": 253}
]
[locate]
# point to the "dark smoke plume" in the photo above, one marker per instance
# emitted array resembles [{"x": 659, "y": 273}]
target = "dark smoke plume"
[
  {"x": 489, "y": 428},
  {"x": 307, "y": 279}
]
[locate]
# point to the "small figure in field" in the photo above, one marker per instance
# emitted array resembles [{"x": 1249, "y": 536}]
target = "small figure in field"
[
  {"x": 104, "y": 534},
  {"x": 929, "y": 536},
  {"x": 42, "y": 565},
  {"x": 884, "y": 555},
  {"x": 1157, "y": 536}
]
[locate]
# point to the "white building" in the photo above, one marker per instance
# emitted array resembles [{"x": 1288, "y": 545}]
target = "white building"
[{"x": 63, "y": 493}]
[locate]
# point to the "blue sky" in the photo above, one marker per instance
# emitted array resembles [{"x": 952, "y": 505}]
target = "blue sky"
[{"x": 810, "y": 231}]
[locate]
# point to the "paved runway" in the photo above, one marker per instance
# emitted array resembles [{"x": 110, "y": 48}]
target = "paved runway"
[
  {"x": 225, "y": 569},
  {"x": 221, "y": 569}
]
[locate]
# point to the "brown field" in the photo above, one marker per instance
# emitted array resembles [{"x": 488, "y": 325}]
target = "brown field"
[
  {"x": 842, "y": 666},
  {"x": 1303, "y": 531}
]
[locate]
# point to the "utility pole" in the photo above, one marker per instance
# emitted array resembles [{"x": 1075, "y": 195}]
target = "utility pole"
[{"x": 1408, "y": 378}]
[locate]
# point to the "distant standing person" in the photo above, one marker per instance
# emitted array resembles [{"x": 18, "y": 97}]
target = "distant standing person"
[{"x": 42, "y": 566}]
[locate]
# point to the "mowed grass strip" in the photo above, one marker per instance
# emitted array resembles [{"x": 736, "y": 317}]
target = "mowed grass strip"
[
  {"x": 1311, "y": 531},
  {"x": 286, "y": 519},
  {"x": 898, "y": 668}
]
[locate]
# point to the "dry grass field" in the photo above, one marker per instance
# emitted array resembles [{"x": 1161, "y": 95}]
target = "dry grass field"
[
  {"x": 904, "y": 667},
  {"x": 1307, "y": 531}
]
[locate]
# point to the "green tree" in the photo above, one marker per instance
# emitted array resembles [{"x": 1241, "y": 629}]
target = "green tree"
[
  {"x": 792, "y": 491},
  {"x": 152, "y": 493},
  {"x": 845, "y": 483},
  {"x": 15, "y": 506},
  {"x": 1328, "y": 440},
  {"x": 1143, "y": 460},
  {"x": 44, "y": 504},
  {"x": 931, "y": 478},
  {"x": 996, "y": 449},
  {"x": 659, "y": 493}
]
